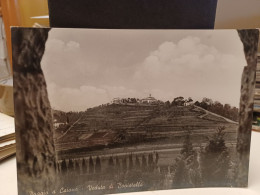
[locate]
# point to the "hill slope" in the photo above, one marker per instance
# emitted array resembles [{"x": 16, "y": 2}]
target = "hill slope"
[{"x": 117, "y": 126}]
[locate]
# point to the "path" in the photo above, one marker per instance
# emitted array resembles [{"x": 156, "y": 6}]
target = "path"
[
  {"x": 214, "y": 114},
  {"x": 69, "y": 128}
]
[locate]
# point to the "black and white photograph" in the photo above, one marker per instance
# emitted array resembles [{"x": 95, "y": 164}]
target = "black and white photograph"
[{"x": 111, "y": 111}]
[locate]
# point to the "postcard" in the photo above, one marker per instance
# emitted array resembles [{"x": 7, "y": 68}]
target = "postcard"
[{"x": 101, "y": 111}]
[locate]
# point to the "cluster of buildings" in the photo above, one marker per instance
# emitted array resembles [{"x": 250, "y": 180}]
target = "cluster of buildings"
[
  {"x": 147, "y": 100},
  {"x": 57, "y": 124}
]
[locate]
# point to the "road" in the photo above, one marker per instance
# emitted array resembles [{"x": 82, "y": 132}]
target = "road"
[
  {"x": 69, "y": 128},
  {"x": 214, "y": 114}
]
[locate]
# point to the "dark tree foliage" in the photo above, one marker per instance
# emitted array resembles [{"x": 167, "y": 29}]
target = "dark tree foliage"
[
  {"x": 187, "y": 148},
  {"x": 63, "y": 167},
  {"x": 91, "y": 165},
  {"x": 167, "y": 103},
  {"x": 129, "y": 100},
  {"x": 137, "y": 162},
  {"x": 84, "y": 166},
  {"x": 144, "y": 162},
  {"x": 98, "y": 165},
  {"x": 186, "y": 168},
  {"x": 180, "y": 178},
  {"x": 178, "y": 101},
  {"x": 156, "y": 158},
  {"x": 197, "y": 103},
  {"x": 70, "y": 166},
  {"x": 118, "y": 165},
  {"x": 111, "y": 162},
  {"x": 131, "y": 162},
  {"x": 150, "y": 162},
  {"x": 68, "y": 120},
  {"x": 215, "y": 160},
  {"x": 217, "y": 142},
  {"x": 124, "y": 164},
  {"x": 77, "y": 167}
]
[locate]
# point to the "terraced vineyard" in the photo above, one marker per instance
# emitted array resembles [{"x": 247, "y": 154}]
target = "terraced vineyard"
[{"x": 119, "y": 128}]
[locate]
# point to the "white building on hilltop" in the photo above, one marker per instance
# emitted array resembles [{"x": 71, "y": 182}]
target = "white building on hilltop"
[{"x": 149, "y": 100}]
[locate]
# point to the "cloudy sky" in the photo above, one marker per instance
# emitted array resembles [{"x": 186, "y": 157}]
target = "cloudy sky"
[{"x": 87, "y": 67}]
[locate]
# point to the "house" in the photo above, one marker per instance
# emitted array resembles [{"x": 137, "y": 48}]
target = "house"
[
  {"x": 116, "y": 101},
  {"x": 149, "y": 100},
  {"x": 57, "y": 125},
  {"x": 186, "y": 103}
]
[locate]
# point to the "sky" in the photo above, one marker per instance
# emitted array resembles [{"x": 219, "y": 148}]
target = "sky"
[{"x": 84, "y": 68}]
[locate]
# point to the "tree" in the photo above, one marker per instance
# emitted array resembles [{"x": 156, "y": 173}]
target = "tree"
[
  {"x": 215, "y": 160},
  {"x": 70, "y": 166},
  {"x": 124, "y": 164},
  {"x": 144, "y": 162},
  {"x": 133, "y": 100},
  {"x": 156, "y": 158},
  {"x": 91, "y": 165},
  {"x": 186, "y": 168},
  {"x": 84, "y": 166},
  {"x": 234, "y": 114},
  {"x": 167, "y": 104},
  {"x": 137, "y": 162},
  {"x": 197, "y": 103},
  {"x": 68, "y": 120},
  {"x": 178, "y": 101},
  {"x": 111, "y": 162},
  {"x": 206, "y": 103},
  {"x": 36, "y": 162},
  {"x": 150, "y": 162},
  {"x": 180, "y": 178},
  {"x": 250, "y": 41},
  {"x": 98, "y": 165},
  {"x": 63, "y": 167},
  {"x": 187, "y": 148},
  {"x": 118, "y": 166},
  {"x": 189, "y": 100},
  {"x": 131, "y": 162},
  {"x": 218, "y": 108},
  {"x": 77, "y": 167}
]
